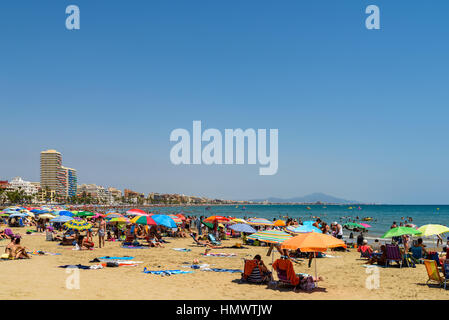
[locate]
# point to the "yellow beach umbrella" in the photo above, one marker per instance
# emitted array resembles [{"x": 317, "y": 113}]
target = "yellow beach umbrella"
[
  {"x": 432, "y": 229},
  {"x": 237, "y": 220}
]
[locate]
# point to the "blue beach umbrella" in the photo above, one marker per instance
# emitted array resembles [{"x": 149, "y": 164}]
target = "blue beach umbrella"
[
  {"x": 61, "y": 219},
  {"x": 304, "y": 229},
  {"x": 65, "y": 213},
  {"x": 164, "y": 220},
  {"x": 18, "y": 214},
  {"x": 242, "y": 227}
]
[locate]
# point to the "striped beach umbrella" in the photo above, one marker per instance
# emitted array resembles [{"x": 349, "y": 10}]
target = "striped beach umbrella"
[
  {"x": 270, "y": 236},
  {"x": 145, "y": 220},
  {"x": 176, "y": 219},
  {"x": 78, "y": 225},
  {"x": 237, "y": 220},
  {"x": 135, "y": 212},
  {"x": 216, "y": 218},
  {"x": 111, "y": 215},
  {"x": 120, "y": 220},
  {"x": 260, "y": 222}
]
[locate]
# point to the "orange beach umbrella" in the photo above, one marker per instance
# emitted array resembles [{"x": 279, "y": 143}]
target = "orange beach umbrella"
[
  {"x": 312, "y": 242},
  {"x": 279, "y": 223}
]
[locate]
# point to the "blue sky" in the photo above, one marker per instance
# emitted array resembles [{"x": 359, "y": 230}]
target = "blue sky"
[{"x": 362, "y": 114}]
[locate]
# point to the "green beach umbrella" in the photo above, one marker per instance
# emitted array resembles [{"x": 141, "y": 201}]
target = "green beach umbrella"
[
  {"x": 84, "y": 214},
  {"x": 432, "y": 229},
  {"x": 354, "y": 225},
  {"x": 400, "y": 231}
]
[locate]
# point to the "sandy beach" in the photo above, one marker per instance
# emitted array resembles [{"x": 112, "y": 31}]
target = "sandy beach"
[{"x": 345, "y": 276}]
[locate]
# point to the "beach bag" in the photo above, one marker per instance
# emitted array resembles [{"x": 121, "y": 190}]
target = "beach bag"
[{"x": 307, "y": 283}]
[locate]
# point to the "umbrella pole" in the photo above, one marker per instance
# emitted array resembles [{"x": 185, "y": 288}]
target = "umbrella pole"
[{"x": 316, "y": 277}]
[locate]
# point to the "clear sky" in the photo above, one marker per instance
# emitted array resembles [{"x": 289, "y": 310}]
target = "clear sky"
[{"x": 362, "y": 114}]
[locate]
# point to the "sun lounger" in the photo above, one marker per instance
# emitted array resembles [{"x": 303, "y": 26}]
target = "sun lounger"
[
  {"x": 393, "y": 254},
  {"x": 252, "y": 272},
  {"x": 433, "y": 273}
]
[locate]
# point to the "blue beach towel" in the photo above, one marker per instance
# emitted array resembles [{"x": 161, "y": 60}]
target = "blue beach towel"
[
  {"x": 116, "y": 258},
  {"x": 134, "y": 247},
  {"x": 182, "y": 249},
  {"x": 166, "y": 272},
  {"x": 224, "y": 270}
]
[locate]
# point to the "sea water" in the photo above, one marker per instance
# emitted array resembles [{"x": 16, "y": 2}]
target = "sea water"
[{"x": 382, "y": 216}]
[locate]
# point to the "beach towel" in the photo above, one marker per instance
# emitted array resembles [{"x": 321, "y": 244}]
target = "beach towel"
[
  {"x": 165, "y": 272},
  {"x": 134, "y": 247},
  {"x": 285, "y": 267},
  {"x": 41, "y": 253},
  {"x": 116, "y": 258},
  {"x": 127, "y": 262},
  {"x": 78, "y": 266},
  {"x": 182, "y": 249},
  {"x": 118, "y": 264},
  {"x": 222, "y": 270},
  {"x": 226, "y": 255}
]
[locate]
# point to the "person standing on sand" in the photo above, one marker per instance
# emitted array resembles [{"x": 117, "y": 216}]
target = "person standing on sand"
[{"x": 101, "y": 232}]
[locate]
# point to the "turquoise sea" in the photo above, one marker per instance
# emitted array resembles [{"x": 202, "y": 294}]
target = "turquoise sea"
[{"x": 383, "y": 215}]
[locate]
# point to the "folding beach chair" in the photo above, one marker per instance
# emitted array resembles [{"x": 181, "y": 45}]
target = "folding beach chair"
[
  {"x": 365, "y": 252},
  {"x": 393, "y": 254},
  {"x": 252, "y": 272},
  {"x": 196, "y": 241},
  {"x": 214, "y": 240},
  {"x": 417, "y": 254},
  {"x": 434, "y": 273}
]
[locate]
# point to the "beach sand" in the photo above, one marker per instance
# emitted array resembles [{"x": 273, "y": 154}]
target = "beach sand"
[{"x": 345, "y": 276}]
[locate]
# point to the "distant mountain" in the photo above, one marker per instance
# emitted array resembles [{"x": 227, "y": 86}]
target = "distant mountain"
[{"x": 310, "y": 198}]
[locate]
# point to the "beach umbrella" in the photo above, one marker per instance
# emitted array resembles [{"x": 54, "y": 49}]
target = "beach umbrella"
[
  {"x": 78, "y": 225},
  {"x": 65, "y": 213},
  {"x": 237, "y": 220},
  {"x": 366, "y": 225},
  {"x": 352, "y": 225},
  {"x": 216, "y": 218},
  {"x": 113, "y": 215},
  {"x": 46, "y": 216},
  {"x": 432, "y": 229},
  {"x": 4, "y": 215},
  {"x": 303, "y": 229},
  {"x": 260, "y": 222},
  {"x": 135, "y": 212},
  {"x": 120, "y": 220},
  {"x": 61, "y": 219},
  {"x": 242, "y": 227},
  {"x": 270, "y": 236},
  {"x": 146, "y": 220},
  {"x": 164, "y": 220},
  {"x": 400, "y": 231},
  {"x": 18, "y": 215},
  {"x": 279, "y": 223},
  {"x": 85, "y": 214},
  {"x": 176, "y": 219},
  {"x": 312, "y": 242},
  {"x": 181, "y": 216}
]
